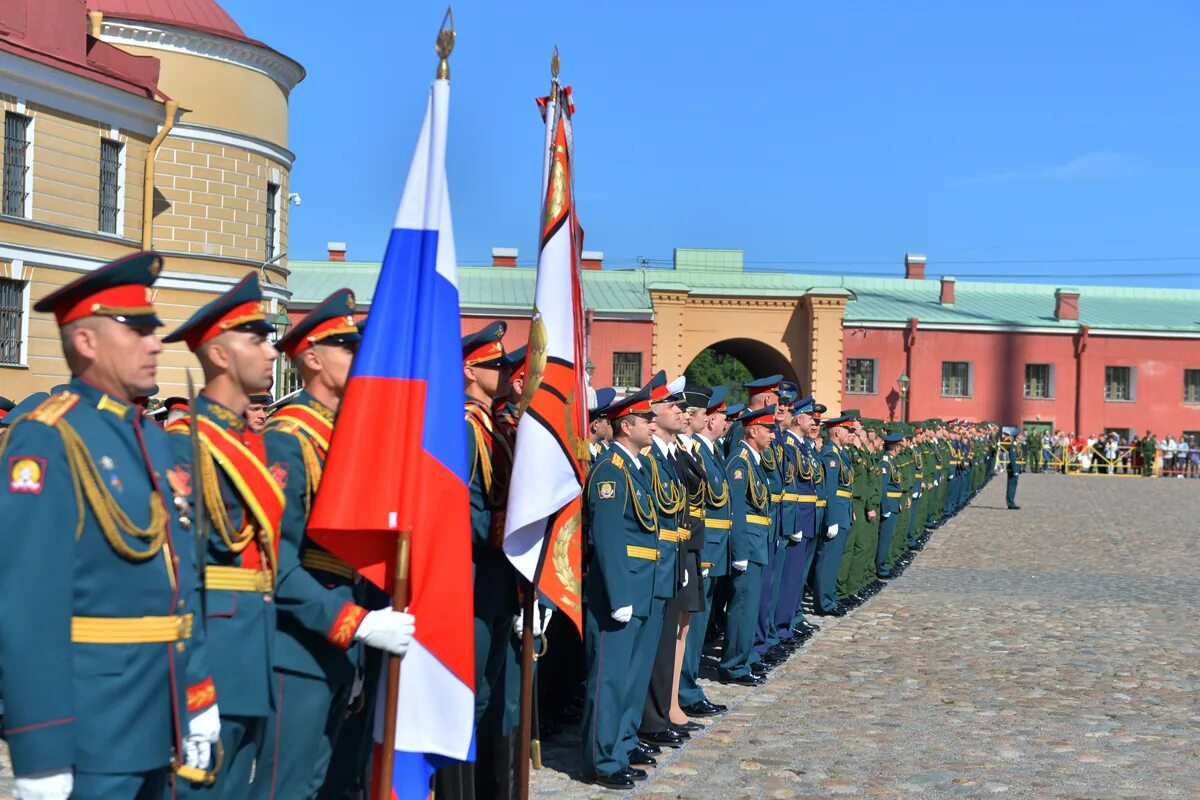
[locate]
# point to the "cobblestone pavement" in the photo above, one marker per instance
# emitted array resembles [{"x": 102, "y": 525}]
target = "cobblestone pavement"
[{"x": 1052, "y": 652}]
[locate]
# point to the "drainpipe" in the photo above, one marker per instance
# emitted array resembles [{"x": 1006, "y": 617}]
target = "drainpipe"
[
  {"x": 171, "y": 109},
  {"x": 1080, "y": 346},
  {"x": 910, "y": 341}
]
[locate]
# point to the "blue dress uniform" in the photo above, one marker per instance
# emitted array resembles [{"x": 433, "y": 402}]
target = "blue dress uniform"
[
  {"x": 891, "y": 494},
  {"x": 622, "y": 522},
  {"x": 837, "y": 491},
  {"x": 319, "y": 596},
  {"x": 799, "y": 529},
  {"x": 102, "y": 649},
  {"x": 753, "y": 522},
  {"x": 714, "y": 562},
  {"x": 245, "y": 506},
  {"x": 774, "y": 466}
]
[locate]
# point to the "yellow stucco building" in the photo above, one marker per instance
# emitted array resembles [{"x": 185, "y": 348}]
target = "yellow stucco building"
[{"x": 127, "y": 125}]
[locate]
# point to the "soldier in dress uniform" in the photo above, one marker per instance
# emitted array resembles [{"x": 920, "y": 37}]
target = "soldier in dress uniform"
[
  {"x": 244, "y": 506},
  {"x": 750, "y": 537},
  {"x": 619, "y": 592},
  {"x": 714, "y": 554},
  {"x": 653, "y": 666},
  {"x": 256, "y": 412},
  {"x": 801, "y": 529},
  {"x": 322, "y": 605},
  {"x": 892, "y": 495},
  {"x": 837, "y": 491},
  {"x": 599, "y": 428},
  {"x": 495, "y": 580},
  {"x": 102, "y": 647}
]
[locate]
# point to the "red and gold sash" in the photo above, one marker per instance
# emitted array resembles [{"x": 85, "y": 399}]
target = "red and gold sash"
[{"x": 318, "y": 428}]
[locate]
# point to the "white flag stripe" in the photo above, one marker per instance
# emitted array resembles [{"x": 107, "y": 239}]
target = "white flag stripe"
[{"x": 437, "y": 710}]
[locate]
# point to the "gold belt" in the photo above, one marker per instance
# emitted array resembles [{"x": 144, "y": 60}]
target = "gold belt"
[
  {"x": 718, "y": 524},
  {"x": 801, "y": 498},
  {"x": 130, "y": 630},
  {"x": 668, "y": 535},
  {"x": 757, "y": 519},
  {"x": 775, "y": 498},
  {"x": 820, "y": 504},
  {"x": 328, "y": 562},
  {"x": 648, "y": 553},
  {"x": 236, "y": 579},
  {"x": 919, "y": 474},
  {"x": 895, "y": 494},
  {"x": 844, "y": 493},
  {"x": 706, "y": 565},
  {"x": 696, "y": 511}
]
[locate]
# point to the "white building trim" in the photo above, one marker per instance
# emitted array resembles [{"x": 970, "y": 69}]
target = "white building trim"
[
  {"x": 41, "y": 84},
  {"x": 169, "y": 279},
  {"x": 203, "y": 133},
  {"x": 966, "y": 328},
  {"x": 160, "y": 36}
]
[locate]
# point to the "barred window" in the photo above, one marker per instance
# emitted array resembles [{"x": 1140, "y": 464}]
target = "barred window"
[
  {"x": 956, "y": 379},
  {"x": 110, "y": 185},
  {"x": 627, "y": 369},
  {"x": 860, "y": 376},
  {"x": 12, "y": 310},
  {"x": 272, "y": 232},
  {"x": 1119, "y": 384},
  {"x": 16, "y": 163},
  {"x": 1039, "y": 381},
  {"x": 1191, "y": 386}
]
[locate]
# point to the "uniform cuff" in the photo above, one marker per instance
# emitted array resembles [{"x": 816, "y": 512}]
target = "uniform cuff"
[
  {"x": 345, "y": 625},
  {"x": 201, "y": 695}
]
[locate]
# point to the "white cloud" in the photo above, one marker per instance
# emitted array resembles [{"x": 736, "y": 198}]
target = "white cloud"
[{"x": 1087, "y": 168}]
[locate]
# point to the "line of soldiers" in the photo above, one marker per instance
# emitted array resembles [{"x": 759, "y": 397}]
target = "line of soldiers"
[{"x": 169, "y": 630}]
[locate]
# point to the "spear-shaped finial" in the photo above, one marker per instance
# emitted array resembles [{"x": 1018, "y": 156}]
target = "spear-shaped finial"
[
  {"x": 445, "y": 44},
  {"x": 554, "y": 74}
]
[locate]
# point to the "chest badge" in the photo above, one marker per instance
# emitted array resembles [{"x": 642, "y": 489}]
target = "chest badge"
[
  {"x": 26, "y": 474},
  {"x": 107, "y": 464}
]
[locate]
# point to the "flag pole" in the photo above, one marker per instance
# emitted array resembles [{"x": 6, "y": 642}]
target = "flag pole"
[{"x": 444, "y": 44}]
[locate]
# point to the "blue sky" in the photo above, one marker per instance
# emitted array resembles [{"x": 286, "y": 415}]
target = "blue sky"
[{"x": 1041, "y": 141}]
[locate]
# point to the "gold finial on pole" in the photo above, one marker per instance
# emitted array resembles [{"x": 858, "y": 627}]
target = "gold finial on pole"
[
  {"x": 554, "y": 74},
  {"x": 445, "y": 44}
]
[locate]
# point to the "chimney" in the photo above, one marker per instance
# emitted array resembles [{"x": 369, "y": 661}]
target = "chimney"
[
  {"x": 1066, "y": 304},
  {"x": 914, "y": 266},
  {"x": 337, "y": 251},
  {"x": 591, "y": 259},
  {"x": 947, "y": 298},
  {"x": 504, "y": 256}
]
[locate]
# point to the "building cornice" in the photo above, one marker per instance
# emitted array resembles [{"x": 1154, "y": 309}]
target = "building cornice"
[
  {"x": 1039, "y": 329},
  {"x": 252, "y": 144},
  {"x": 158, "y": 36},
  {"x": 74, "y": 94}
]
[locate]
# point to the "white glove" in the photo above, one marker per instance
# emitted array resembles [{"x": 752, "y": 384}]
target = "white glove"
[
  {"x": 831, "y": 531},
  {"x": 741, "y": 566},
  {"x": 623, "y": 614},
  {"x": 887, "y": 514},
  {"x": 203, "y": 731},
  {"x": 916, "y": 495},
  {"x": 54, "y": 785},
  {"x": 798, "y": 536},
  {"x": 685, "y": 580},
  {"x": 387, "y": 629},
  {"x": 704, "y": 573}
]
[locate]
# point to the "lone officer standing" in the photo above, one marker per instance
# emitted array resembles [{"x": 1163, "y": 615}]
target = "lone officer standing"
[
  {"x": 1014, "y": 472},
  {"x": 101, "y": 643}
]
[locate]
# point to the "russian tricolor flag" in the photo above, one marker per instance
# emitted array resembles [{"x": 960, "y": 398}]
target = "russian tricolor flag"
[{"x": 398, "y": 462}]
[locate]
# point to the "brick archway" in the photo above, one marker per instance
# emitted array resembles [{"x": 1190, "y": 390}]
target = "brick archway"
[{"x": 759, "y": 357}]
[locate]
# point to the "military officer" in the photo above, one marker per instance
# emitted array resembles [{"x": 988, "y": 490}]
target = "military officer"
[
  {"x": 1014, "y": 472},
  {"x": 750, "y": 537},
  {"x": 619, "y": 592},
  {"x": 714, "y": 555},
  {"x": 256, "y": 412},
  {"x": 321, "y": 608},
  {"x": 599, "y": 428},
  {"x": 837, "y": 491},
  {"x": 102, "y": 647},
  {"x": 892, "y": 494},
  {"x": 789, "y": 614}
]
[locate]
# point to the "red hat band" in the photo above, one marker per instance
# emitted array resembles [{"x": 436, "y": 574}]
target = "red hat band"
[
  {"x": 116, "y": 301},
  {"x": 238, "y": 315},
  {"x": 338, "y": 326},
  {"x": 485, "y": 352}
]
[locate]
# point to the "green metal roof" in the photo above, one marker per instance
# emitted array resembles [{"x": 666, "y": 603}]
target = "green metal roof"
[{"x": 617, "y": 293}]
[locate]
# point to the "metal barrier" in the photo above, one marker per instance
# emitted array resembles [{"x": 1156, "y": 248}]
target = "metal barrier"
[{"x": 1122, "y": 461}]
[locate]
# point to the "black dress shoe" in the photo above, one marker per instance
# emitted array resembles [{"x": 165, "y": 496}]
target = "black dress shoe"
[
  {"x": 760, "y": 669},
  {"x": 638, "y": 758},
  {"x": 617, "y": 781},
  {"x": 812, "y": 626},
  {"x": 1014, "y": 508},
  {"x": 647, "y": 749},
  {"x": 745, "y": 680},
  {"x": 773, "y": 660},
  {"x": 702, "y": 708},
  {"x": 667, "y": 738},
  {"x": 687, "y": 727},
  {"x": 836, "y": 611},
  {"x": 633, "y": 773}
]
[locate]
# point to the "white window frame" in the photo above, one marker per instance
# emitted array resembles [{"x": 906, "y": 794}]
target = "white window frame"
[
  {"x": 276, "y": 224},
  {"x": 114, "y": 135},
  {"x": 874, "y": 376},
  {"x": 1185, "y": 397},
  {"x": 970, "y": 389},
  {"x": 16, "y": 272},
  {"x": 1132, "y": 383},
  {"x": 1049, "y": 381},
  {"x": 19, "y": 107}
]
